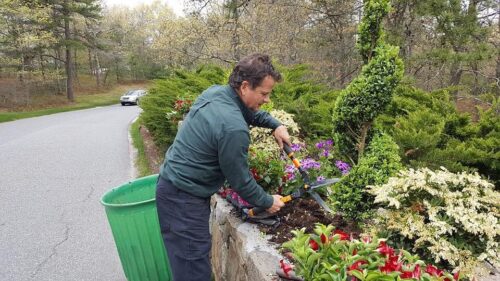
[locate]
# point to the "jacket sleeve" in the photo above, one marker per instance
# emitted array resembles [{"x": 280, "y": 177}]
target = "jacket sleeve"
[
  {"x": 233, "y": 161},
  {"x": 264, "y": 119}
]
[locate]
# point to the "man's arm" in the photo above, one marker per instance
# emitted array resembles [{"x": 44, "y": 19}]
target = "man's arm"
[
  {"x": 265, "y": 120},
  {"x": 233, "y": 153}
]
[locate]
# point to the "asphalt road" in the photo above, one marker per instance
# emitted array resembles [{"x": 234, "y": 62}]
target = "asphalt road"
[{"x": 54, "y": 169}]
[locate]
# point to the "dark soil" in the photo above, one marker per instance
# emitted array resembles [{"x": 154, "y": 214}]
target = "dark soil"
[{"x": 305, "y": 213}]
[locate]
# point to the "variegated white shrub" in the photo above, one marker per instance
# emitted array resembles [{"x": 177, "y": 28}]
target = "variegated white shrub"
[
  {"x": 454, "y": 217},
  {"x": 264, "y": 141}
]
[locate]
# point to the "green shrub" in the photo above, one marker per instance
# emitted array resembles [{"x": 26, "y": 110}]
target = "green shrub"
[
  {"x": 380, "y": 161},
  {"x": 369, "y": 93},
  {"x": 160, "y": 102},
  {"x": 431, "y": 133},
  {"x": 418, "y": 132},
  {"x": 310, "y": 102}
]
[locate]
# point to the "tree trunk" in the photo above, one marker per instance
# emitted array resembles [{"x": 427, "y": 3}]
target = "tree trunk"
[
  {"x": 497, "y": 71},
  {"x": 91, "y": 64},
  {"x": 69, "y": 60},
  {"x": 235, "y": 40},
  {"x": 75, "y": 67},
  {"x": 117, "y": 70},
  {"x": 97, "y": 70},
  {"x": 42, "y": 66},
  {"x": 456, "y": 76},
  {"x": 475, "y": 69}
]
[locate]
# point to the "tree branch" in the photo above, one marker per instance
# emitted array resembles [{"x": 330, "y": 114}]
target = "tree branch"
[{"x": 51, "y": 56}]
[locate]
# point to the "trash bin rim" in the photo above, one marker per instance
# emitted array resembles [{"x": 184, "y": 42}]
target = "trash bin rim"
[
  {"x": 124, "y": 204},
  {"x": 118, "y": 205}
]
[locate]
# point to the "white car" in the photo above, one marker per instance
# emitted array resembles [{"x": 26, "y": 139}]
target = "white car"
[{"x": 132, "y": 97}]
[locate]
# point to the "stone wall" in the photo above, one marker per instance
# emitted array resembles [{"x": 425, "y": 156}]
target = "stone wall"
[{"x": 240, "y": 252}]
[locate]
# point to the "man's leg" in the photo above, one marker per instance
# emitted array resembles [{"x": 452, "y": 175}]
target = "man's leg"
[{"x": 185, "y": 230}]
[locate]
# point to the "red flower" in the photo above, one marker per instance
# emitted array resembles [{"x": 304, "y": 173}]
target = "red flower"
[
  {"x": 285, "y": 267},
  {"x": 391, "y": 264},
  {"x": 323, "y": 238},
  {"x": 384, "y": 249},
  {"x": 433, "y": 271},
  {"x": 456, "y": 276},
  {"x": 343, "y": 235},
  {"x": 412, "y": 274},
  {"x": 255, "y": 174},
  {"x": 313, "y": 245},
  {"x": 355, "y": 265}
]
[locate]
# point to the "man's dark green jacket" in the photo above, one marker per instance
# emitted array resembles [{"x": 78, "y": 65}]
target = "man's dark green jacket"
[{"x": 212, "y": 145}]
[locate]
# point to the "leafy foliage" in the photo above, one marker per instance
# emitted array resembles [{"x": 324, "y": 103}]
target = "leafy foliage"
[
  {"x": 431, "y": 133},
  {"x": 262, "y": 139},
  {"x": 332, "y": 255},
  {"x": 447, "y": 217},
  {"x": 379, "y": 163},
  {"x": 368, "y": 94},
  {"x": 162, "y": 97},
  {"x": 309, "y": 101}
]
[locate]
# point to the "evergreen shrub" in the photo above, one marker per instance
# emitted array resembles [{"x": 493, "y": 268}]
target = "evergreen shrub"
[
  {"x": 161, "y": 99},
  {"x": 380, "y": 162}
]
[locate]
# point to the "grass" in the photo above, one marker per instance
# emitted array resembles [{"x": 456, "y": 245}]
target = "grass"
[
  {"x": 86, "y": 98},
  {"x": 141, "y": 162}
]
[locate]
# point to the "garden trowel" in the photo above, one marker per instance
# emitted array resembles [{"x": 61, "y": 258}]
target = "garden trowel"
[{"x": 308, "y": 187}]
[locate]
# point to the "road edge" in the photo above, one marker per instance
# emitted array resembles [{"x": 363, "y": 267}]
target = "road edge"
[{"x": 132, "y": 151}]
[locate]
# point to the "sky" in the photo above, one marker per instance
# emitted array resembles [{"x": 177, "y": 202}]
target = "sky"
[{"x": 176, "y": 5}]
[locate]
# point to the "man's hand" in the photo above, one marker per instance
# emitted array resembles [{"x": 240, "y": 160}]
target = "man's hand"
[
  {"x": 281, "y": 135},
  {"x": 277, "y": 204}
]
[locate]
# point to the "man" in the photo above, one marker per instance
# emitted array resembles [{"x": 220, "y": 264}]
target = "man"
[{"x": 211, "y": 146}]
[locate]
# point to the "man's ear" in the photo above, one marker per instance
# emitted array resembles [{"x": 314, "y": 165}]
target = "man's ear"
[{"x": 244, "y": 86}]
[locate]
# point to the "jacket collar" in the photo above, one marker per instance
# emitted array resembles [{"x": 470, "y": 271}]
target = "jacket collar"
[{"x": 247, "y": 113}]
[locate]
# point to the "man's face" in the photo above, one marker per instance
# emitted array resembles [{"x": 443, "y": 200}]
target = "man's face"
[{"x": 255, "y": 98}]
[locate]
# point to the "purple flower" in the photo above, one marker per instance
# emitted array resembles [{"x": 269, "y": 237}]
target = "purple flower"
[
  {"x": 324, "y": 144},
  {"x": 320, "y": 178},
  {"x": 325, "y": 153},
  {"x": 309, "y": 163},
  {"x": 289, "y": 169},
  {"x": 343, "y": 167},
  {"x": 296, "y": 146},
  {"x": 320, "y": 145}
]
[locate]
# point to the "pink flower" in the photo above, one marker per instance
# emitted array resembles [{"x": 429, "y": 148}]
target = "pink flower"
[{"x": 366, "y": 239}]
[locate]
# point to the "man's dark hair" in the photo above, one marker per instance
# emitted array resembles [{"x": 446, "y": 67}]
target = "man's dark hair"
[{"x": 253, "y": 68}]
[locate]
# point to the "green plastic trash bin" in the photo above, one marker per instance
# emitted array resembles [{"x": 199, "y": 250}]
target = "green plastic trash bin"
[{"x": 131, "y": 211}]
